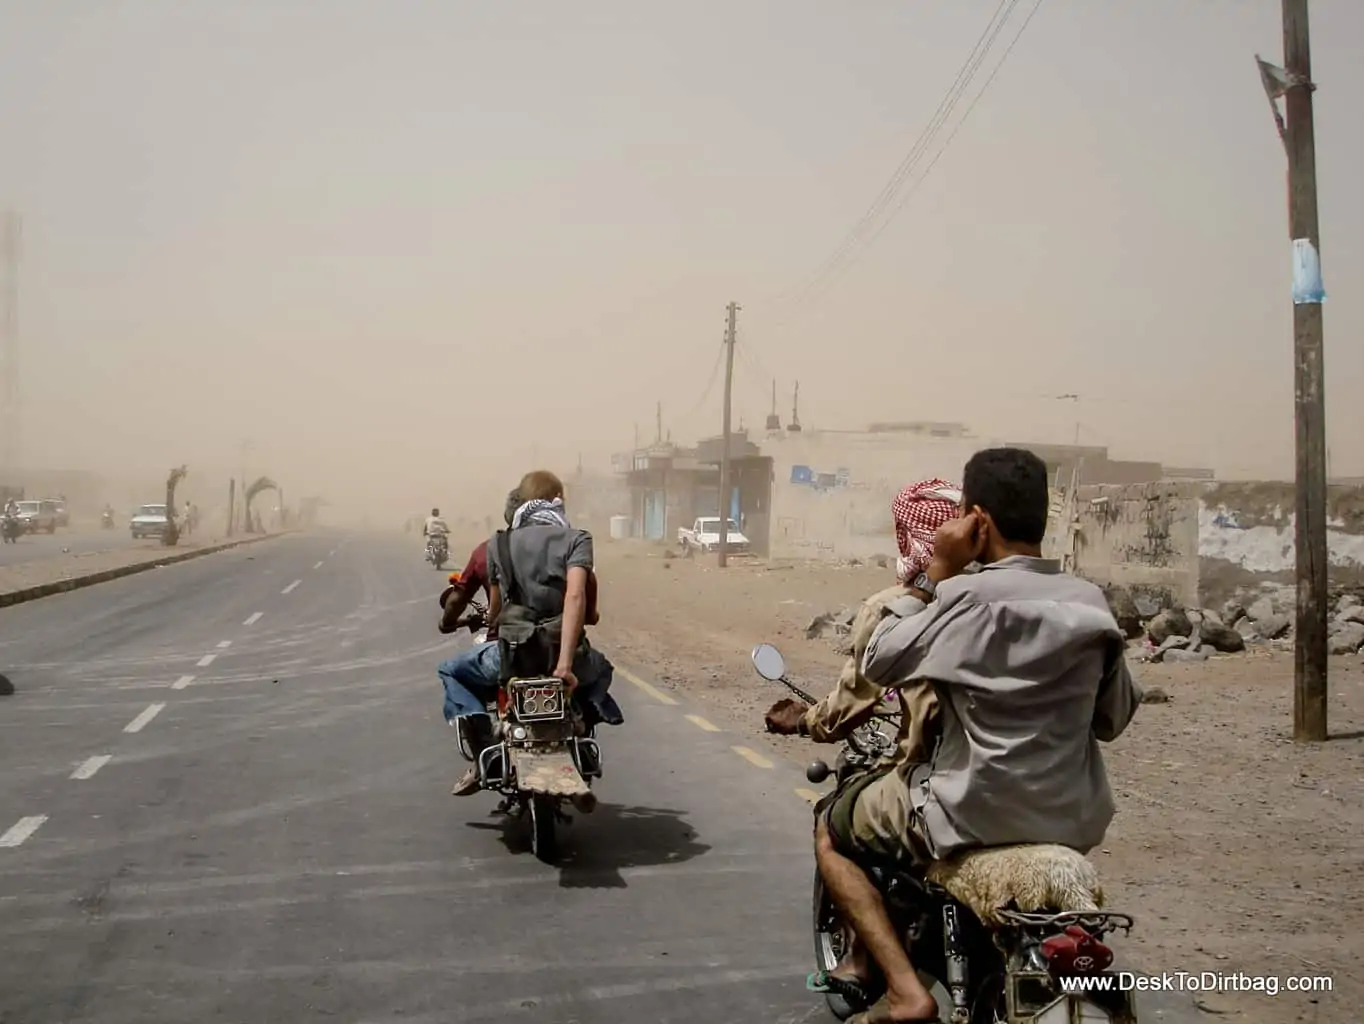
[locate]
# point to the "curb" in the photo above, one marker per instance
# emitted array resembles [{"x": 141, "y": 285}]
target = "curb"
[{"x": 89, "y": 580}]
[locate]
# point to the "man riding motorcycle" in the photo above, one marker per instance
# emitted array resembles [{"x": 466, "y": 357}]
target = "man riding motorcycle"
[
  {"x": 472, "y": 677},
  {"x": 1029, "y": 672}
]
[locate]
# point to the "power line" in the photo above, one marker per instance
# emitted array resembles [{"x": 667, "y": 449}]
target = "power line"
[{"x": 839, "y": 261}]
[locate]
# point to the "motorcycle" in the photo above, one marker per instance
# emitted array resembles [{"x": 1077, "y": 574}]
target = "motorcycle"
[
  {"x": 1008, "y": 958},
  {"x": 541, "y": 757},
  {"x": 106, "y": 520},
  {"x": 11, "y": 529},
  {"x": 437, "y": 550}
]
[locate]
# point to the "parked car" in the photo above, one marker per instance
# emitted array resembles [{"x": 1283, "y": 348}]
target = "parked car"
[
  {"x": 704, "y": 536},
  {"x": 38, "y": 516},
  {"x": 148, "y": 521}
]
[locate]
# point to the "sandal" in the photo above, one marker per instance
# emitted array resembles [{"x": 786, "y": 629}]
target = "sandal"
[{"x": 855, "y": 992}]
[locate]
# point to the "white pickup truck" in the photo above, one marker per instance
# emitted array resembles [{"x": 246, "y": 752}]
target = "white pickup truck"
[{"x": 704, "y": 536}]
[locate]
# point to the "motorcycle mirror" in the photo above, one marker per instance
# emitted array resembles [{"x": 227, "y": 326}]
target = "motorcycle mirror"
[
  {"x": 769, "y": 662},
  {"x": 817, "y": 772}
]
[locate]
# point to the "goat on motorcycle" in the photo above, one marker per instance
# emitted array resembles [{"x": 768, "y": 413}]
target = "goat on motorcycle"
[
  {"x": 543, "y": 560},
  {"x": 1028, "y": 674}
]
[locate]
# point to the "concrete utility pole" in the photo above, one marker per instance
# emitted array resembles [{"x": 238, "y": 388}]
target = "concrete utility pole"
[
  {"x": 1310, "y": 649},
  {"x": 11, "y": 419},
  {"x": 724, "y": 440}
]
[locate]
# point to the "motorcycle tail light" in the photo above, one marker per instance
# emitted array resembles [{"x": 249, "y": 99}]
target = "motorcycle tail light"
[
  {"x": 1074, "y": 952},
  {"x": 502, "y": 701}
]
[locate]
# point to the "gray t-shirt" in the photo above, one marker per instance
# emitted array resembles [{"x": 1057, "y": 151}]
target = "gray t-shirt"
[{"x": 541, "y": 556}]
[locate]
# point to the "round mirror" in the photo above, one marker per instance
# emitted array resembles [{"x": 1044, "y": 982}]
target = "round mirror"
[{"x": 769, "y": 662}]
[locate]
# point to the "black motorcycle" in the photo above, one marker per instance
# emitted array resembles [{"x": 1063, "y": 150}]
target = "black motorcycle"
[
  {"x": 11, "y": 529},
  {"x": 437, "y": 550},
  {"x": 1017, "y": 960}
]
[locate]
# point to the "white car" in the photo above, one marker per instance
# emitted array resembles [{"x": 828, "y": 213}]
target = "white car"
[{"x": 149, "y": 521}]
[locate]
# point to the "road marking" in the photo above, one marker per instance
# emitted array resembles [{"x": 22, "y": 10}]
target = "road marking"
[
  {"x": 182, "y": 682},
  {"x": 656, "y": 694},
  {"x": 206, "y": 660},
  {"x": 807, "y": 794},
  {"x": 22, "y": 829},
  {"x": 151, "y": 711},
  {"x": 88, "y": 769},
  {"x": 291, "y": 586},
  {"x": 224, "y": 643},
  {"x": 700, "y": 722},
  {"x": 255, "y": 617},
  {"x": 319, "y": 564},
  {"x": 752, "y": 757}
]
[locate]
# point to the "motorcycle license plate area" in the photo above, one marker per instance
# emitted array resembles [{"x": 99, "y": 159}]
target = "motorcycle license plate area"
[
  {"x": 538, "y": 700},
  {"x": 1079, "y": 1010}
]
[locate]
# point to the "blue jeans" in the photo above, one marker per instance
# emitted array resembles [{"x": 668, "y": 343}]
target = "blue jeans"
[{"x": 470, "y": 679}]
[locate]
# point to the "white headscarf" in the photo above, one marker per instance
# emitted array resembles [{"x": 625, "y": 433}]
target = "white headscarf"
[{"x": 539, "y": 512}]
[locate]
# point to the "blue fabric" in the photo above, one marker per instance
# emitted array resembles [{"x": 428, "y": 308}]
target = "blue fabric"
[{"x": 471, "y": 678}]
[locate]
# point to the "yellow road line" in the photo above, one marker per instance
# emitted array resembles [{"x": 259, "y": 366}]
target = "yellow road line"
[
  {"x": 700, "y": 722},
  {"x": 652, "y": 691},
  {"x": 752, "y": 757},
  {"x": 808, "y": 795}
]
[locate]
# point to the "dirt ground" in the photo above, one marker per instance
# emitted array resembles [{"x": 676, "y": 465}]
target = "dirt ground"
[{"x": 1235, "y": 849}]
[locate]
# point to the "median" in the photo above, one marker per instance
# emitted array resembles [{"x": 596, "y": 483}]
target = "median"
[{"x": 28, "y": 581}]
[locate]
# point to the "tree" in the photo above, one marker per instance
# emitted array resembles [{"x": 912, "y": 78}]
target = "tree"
[
  {"x": 172, "y": 535},
  {"x": 262, "y": 484}
]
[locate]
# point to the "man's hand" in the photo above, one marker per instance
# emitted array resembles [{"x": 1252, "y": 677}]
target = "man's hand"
[
  {"x": 785, "y": 716},
  {"x": 566, "y": 674},
  {"x": 957, "y": 544}
]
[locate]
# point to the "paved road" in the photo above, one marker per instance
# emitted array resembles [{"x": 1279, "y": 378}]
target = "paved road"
[
  {"x": 37, "y": 546},
  {"x": 224, "y": 791}
]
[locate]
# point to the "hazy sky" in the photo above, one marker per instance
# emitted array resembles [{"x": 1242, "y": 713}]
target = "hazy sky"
[{"x": 400, "y": 239}]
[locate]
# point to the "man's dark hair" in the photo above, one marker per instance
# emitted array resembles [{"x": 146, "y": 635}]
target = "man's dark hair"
[{"x": 1010, "y": 484}]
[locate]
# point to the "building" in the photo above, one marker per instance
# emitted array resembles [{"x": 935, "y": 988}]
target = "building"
[{"x": 671, "y": 486}]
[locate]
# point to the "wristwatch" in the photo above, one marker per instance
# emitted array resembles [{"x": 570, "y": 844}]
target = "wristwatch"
[{"x": 924, "y": 585}]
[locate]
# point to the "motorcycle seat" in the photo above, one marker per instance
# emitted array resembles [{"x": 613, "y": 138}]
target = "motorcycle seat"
[{"x": 1033, "y": 878}]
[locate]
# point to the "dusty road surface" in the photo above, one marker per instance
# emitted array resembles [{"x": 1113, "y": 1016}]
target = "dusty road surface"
[
  {"x": 1237, "y": 851},
  {"x": 76, "y": 541}
]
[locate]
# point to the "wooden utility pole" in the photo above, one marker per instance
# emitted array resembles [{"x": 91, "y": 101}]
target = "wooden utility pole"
[
  {"x": 658, "y": 423},
  {"x": 1310, "y": 649},
  {"x": 724, "y": 438}
]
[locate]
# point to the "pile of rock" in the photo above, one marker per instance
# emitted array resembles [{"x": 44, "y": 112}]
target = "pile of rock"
[
  {"x": 836, "y": 625},
  {"x": 1168, "y": 632}
]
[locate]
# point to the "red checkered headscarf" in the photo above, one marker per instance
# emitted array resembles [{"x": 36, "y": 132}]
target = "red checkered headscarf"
[{"x": 918, "y": 511}]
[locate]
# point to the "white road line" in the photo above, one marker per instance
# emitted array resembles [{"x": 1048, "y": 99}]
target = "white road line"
[
  {"x": 701, "y": 723},
  {"x": 182, "y": 682},
  {"x": 752, "y": 757},
  {"x": 22, "y": 829},
  {"x": 224, "y": 643},
  {"x": 88, "y": 769},
  {"x": 254, "y": 618},
  {"x": 206, "y": 660},
  {"x": 151, "y": 711},
  {"x": 319, "y": 564},
  {"x": 652, "y": 691},
  {"x": 291, "y": 586}
]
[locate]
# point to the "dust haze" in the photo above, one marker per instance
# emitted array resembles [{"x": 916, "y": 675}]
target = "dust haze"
[{"x": 397, "y": 253}]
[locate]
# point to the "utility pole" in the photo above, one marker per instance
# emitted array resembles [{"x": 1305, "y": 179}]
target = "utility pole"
[
  {"x": 724, "y": 441},
  {"x": 11, "y": 421},
  {"x": 1294, "y": 83},
  {"x": 658, "y": 423}
]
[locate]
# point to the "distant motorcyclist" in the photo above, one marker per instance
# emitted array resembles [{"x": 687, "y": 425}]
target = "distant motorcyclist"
[{"x": 435, "y": 525}]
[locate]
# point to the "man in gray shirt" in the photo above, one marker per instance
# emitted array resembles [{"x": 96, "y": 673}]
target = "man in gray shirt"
[{"x": 1029, "y": 668}]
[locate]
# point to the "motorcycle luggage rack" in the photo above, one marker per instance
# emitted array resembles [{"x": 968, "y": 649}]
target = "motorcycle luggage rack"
[{"x": 1099, "y": 922}]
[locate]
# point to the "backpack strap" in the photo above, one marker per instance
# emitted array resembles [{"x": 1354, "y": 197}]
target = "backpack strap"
[{"x": 512, "y": 589}]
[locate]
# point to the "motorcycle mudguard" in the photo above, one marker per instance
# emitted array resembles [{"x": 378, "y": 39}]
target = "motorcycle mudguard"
[{"x": 552, "y": 773}]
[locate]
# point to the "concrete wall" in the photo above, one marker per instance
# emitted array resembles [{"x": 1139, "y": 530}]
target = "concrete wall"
[
  {"x": 852, "y": 521},
  {"x": 1246, "y": 532},
  {"x": 1143, "y": 536}
]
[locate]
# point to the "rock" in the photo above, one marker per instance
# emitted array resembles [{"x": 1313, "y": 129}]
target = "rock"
[
  {"x": 1233, "y": 612},
  {"x": 1222, "y": 639},
  {"x": 1261, "y": 609},
  {"x": 1173, "y": 622},
  {"x": 843, "y": 646},
  {"x": 1347, "y": 639},
  {"x": 1245, "y": 626},
  {"x": 1348, "y": 601},
  {"x": 1124, "y": 610},
  {"x": 6, "y": 687},
  {"x": 1178, "y": 655},
  {"x": 1155, "y": 695},
  {"x": 1209, "y": 615},
  {"x": 880, "y": 561},
  {"x": 1171, "y": 643},
  {"x": 844, "y": 617},
  {"x": 820, "y": 625},
  {"x": 1271, "y": 626},
  {"x": 1353, "y": 613},
  {"x": 1148, "y": 605}
]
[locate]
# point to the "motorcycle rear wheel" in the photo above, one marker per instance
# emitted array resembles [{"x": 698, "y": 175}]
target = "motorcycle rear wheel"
[{"x": 543, "y": 840}]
